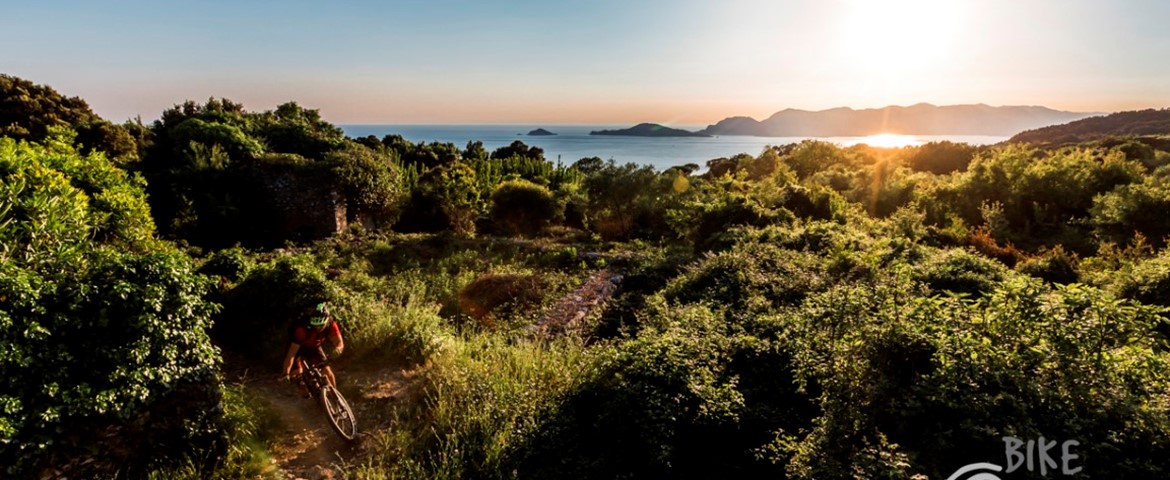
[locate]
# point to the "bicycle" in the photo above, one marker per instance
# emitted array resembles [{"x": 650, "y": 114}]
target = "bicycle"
[{"x": 341, "y": 417}]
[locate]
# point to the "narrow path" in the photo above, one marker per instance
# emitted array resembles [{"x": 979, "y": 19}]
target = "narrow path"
[
  {"x": 570, "y": 311},
  {"x": 307, "y": 448}
]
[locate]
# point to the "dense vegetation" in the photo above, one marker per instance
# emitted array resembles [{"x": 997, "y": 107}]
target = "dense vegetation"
[
  {"x": 1148, "y": 122},
  {"x": 808, "y": 312}
]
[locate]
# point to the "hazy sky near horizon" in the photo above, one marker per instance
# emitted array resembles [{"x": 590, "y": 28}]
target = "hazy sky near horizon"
[{"x": 680, "y": 62}]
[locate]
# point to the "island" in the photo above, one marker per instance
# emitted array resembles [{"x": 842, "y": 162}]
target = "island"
[
  {"x": 650, "y": 130},
  {"x": 540, "y": 132}
]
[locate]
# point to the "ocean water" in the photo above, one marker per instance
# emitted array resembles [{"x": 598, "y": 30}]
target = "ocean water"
[{"x": 573, "y": 142}]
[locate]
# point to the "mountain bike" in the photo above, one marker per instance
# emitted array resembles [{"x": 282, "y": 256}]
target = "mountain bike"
[{"x": 341, "y": 417}]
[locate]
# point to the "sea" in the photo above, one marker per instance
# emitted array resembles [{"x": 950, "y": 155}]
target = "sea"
[{"x": 573, "y": 142}]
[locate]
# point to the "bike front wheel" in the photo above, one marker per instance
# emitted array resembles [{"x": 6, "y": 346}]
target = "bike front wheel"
[{"x": 341, "y": 417}]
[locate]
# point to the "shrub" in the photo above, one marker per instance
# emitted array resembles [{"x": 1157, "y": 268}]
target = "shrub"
[
  {"x": 1148, "y": 281},
  {"x": 1052, "y": 265},
  {"x": 930, "y": 383},
  {"x": 688, "y": 397},
  {"x": 488, "y": 297},
  {"x": 1133, "y": 209},
  {"x": 520, "y": 207},
  {"x": 748, "y": 279},
  {"x": 100, "y": 332},
  {"x": 960, "y": 271},
  {"x": 229, "y": 264},
  {"x": 259, "y": 311}
]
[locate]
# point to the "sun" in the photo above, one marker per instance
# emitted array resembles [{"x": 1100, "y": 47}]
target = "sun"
[
  {"x": 900, "y": 36},
  {"x": 890, "y": 140}
]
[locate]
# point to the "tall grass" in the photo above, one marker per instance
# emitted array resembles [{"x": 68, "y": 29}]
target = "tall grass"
[{"x": 483, "y": 401}]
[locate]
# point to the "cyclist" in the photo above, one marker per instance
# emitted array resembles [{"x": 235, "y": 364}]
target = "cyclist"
[{"x": 308, "y": 338}]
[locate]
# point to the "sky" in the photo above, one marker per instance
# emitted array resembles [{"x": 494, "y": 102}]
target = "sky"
[{"x": 677, "y": 62}]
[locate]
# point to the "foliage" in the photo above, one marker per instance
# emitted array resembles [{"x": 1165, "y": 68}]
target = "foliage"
[
  {"x": 371, "y": 183},
  {"x": 1053, "y": 265},
  {"x": 518, "y": 149},
  {"x": 811, "y": 156},
  {"x": 446, "y": 198},
  {"x": 935, "y": 382},
  {"x": 100, "y": 331},
  {"x": 749, "y": 279},
  {"x": 520, "y": 207},
  {"x": 259, "y": 312},
  {"x": 628, "y": 200},
  {"x": 960, "y": 271},
  {"x": 219, "y": 175},
  {"x": 1134, "y": 209},
  {"x": 1042, "y": 198},
  {"x": 250, "y": 430},
  {"x": 293, "y": 129},
  {"x": 1139, "y": 122},
  {"x": 941, "y": 157},
  {"x": 32, "y": 112},
  {"x": 1148, "y": 281}
]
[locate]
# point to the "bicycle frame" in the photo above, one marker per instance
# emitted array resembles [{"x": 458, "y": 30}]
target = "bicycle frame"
[{"x": 337, "y": 409}]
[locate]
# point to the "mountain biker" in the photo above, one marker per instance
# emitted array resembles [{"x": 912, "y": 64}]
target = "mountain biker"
[{"x": 308, "y": 338}]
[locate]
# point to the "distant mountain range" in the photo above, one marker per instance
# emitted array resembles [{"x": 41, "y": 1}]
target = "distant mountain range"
[{"x": 919, "y": 119}]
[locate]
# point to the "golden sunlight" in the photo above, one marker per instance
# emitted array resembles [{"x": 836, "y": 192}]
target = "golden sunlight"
[
  {"x": 897, "y": 36},
  {"x": 890, "y": 140}
]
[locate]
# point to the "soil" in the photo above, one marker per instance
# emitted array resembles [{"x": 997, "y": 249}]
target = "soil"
[{"x": 307, "y": 448}]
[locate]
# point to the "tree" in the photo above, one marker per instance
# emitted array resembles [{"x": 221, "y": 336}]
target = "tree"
[
  {"x": 370, "y": 181},
  {"x": 30, "y": 112},
  {"x": 941, "y": 157},
  {"x": 518, "y": 149},
  {"x": 446, "y": 198},
  {"x": 294, "y": 129}
]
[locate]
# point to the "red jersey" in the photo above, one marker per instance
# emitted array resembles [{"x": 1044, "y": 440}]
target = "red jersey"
[{"x": 310, "y": 338}]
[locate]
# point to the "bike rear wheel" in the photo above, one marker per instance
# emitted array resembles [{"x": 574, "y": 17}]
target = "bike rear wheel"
[{"x": 341, "y": 417}]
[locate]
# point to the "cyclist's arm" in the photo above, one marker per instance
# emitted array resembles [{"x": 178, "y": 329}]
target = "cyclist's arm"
[
  {"x": 335, "y": 337},
  {"x": 288, "y": 357}
]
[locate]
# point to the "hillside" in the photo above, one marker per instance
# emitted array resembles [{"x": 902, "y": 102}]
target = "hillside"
[
  {"x": 1141, "y": 122},
  {"x": 920, "y": 119},
  {"x": 813, "y": 311}
]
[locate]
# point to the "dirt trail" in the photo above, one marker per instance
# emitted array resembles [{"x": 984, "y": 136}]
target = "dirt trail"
[{"x": 307, "y": 448}]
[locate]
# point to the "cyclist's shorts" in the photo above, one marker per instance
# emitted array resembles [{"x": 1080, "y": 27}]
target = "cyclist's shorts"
[{"x": 311, "y": 355}]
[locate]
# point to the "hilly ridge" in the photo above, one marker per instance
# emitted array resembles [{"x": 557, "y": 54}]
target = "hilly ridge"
[
  {"x": 921, "y": 119},
  {"x": 1140, "y": 122}
]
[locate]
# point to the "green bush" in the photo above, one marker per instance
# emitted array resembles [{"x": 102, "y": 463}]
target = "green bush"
[
  {"x": 689, "y": 397},
  {"x": 520, "y": 207},
  {"x": 1133, "y": 209},
  {"x": 229, "y": 264},
  {"x": 1148, "y": 281},
  {"x": 748, "y": 279},
  {"x": 1053, "y": 265},
  {"x": 258, "y": 313},
  {"x": 941, "y": 157},
  {"x": 960, "y": 271},
  {"x": 100, "y": 332},
  {"x": 929, "y": 384}
]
